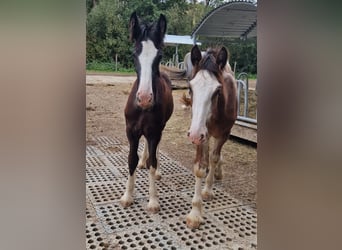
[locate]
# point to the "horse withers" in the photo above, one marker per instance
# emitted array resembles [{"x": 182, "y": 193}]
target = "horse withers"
[
  {"x": 213, "y": 98},
  {"x": 149, "y": 105}
]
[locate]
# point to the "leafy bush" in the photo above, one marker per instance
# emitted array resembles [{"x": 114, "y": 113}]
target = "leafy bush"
[{"x": 108, "y": 35}]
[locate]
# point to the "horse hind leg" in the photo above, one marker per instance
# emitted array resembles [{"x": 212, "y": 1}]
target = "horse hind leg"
[
  {"x": 158, "y": 169},
  {"x": 218, "y": 171},
  {"x": 207, "y": 193},
  {"x": 144, "y": 155},
  {"x": 214, "y": 169},
  {"x": 143, "y": 160}
]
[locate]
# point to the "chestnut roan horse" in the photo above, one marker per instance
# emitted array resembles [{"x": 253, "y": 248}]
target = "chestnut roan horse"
[
  {"x": 149, "y": 105},
  {"x": 214, "y": 111}
]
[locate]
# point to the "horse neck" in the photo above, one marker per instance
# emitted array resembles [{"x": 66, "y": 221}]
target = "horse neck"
[{"x": 224, "y": 107}]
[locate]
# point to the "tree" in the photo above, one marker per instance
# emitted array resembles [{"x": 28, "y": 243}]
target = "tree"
[
  {"x": 106, "y": 33},
  {"x": 107, "y": 30}
]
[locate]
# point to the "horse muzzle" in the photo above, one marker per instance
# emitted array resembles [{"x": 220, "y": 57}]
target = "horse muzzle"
[
  {"x": 197, "y": 138},
  {"x": 144, "y": 100}
]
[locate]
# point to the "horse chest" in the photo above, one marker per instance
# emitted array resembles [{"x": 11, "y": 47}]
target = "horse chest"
[{"x": 145, "y": 120}]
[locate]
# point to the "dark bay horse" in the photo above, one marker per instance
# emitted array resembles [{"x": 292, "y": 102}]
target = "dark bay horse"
[
  {"x": 149, "y": 105},
  {"x": 214, "y": 110}
]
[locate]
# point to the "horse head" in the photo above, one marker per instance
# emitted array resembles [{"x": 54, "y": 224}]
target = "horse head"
[
  {"x": 148, "y": 39},
  {"x": 205, "y": 87}
]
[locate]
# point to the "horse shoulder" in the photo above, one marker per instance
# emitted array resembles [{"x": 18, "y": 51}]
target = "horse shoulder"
[
  {"x": 166, "y": 78},
  {"x": 130, "y": 106}
]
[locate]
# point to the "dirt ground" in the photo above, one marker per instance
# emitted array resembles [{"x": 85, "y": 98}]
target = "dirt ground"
[{"x": 106, "y": 97}]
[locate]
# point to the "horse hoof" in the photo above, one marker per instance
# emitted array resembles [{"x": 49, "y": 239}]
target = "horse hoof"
[
  {"x": 153, "y": 207},
  {"x": 141, "y": 165},
  {"x": 207, "y": 196},
  {"x": 126, "y": 202},
  {"x": 158, "y": 176},
  {"x": 193, "y": 222},
  {"x": 218, "y": 176}
]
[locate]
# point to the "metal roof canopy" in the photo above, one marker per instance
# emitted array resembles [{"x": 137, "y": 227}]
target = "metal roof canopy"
[
  {"x": 235, "y": 19},
  {"x": 175, "y": 40}
]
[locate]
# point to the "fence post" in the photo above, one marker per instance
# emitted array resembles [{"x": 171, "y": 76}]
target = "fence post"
[{"x": 116, "y": 62}]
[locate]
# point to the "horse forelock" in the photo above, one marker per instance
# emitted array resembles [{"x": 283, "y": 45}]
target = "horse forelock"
[
  {"x": 149, "y": 31},
  {"x": 208, "y": 63}
]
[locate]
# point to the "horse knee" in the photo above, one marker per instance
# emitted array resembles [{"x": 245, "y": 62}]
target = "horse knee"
[
  {"x": 199, "y": 171},
  {"x": 215, "y": 159},
  {"x": 218, "y": 173}
]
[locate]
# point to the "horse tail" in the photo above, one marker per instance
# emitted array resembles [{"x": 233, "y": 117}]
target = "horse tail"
[
  {"x": 173, "y": 73},
  {"x": 186, "y": 100}
]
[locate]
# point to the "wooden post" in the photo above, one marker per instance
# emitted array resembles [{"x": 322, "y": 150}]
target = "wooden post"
[{"x": 116, "y": 62}]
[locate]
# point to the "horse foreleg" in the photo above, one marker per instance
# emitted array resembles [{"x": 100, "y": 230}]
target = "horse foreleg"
[
  {"x": 214, "y": 169},
  {"x": 153, "y": 204},
  {"x": 127, "y": 199},
  {"x": 195, "y": 217}
]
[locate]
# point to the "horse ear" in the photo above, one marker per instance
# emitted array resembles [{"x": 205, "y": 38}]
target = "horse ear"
[
  {"x": 196, "y": 55},
  {"x": 222, "y": 58},
  {"x": 162, "y": 25},
  {"x": 134, "y": 27}
]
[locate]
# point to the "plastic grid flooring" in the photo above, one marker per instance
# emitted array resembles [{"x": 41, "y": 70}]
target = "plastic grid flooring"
[{"x": 229, "y": 223}]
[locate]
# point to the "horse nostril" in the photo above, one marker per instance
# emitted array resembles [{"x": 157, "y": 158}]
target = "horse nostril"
[
  {"x": 202, "y": 136},
  {"x": 188, "y": 134}
]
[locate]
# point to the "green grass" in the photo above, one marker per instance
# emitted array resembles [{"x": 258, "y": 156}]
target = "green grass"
[
  {"x": 107, "y": 67},
  {"x": 252, "y": 76}
]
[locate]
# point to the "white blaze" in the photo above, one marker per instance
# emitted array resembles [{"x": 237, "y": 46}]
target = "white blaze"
[
  {"x": 146, "y": 58},
  {"x": 203, "y": 87}
]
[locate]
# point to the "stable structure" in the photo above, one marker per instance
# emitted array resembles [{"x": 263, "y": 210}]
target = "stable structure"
[
  {"x": 234, "y": 19},
  {"x": 175, "y": 40}
]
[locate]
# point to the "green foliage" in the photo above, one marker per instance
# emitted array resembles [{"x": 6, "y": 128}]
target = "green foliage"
[
  {"x": 100, "y": 66},
  {"x": 244, "y": 53},
  {"x": 147, "y": 9},
  {"x": 108, "y": 35},
  {"x": 108, "y": 67}
]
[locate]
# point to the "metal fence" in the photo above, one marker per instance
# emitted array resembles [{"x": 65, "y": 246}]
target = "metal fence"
[{"x": 242, "y": 83}]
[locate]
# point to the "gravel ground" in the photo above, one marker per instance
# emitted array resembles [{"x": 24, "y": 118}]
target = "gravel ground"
[{"x": 106, "y": 96}]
